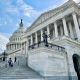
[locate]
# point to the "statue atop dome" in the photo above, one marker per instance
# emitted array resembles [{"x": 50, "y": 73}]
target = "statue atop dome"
[{"x": 21, "y": 23}]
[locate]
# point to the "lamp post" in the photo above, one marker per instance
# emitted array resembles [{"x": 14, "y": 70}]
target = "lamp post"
[{"x": 4, "y": 55}]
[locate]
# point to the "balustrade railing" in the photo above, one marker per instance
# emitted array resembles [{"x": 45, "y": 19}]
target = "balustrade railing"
[{"x": 49, "y": 45}]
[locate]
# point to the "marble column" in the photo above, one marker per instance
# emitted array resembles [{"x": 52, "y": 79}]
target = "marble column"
[
  {"x": 21, "y": 48},
  {"x": 48, "y": 32},
  {"x": 25, "y": 47},
  {"x": 16, "y": 46},
  {"x": 7, "y": 47},
  {"x": 56, "y": 29},
  {"x": 36, "y": 37},
  {"x": 65, "y": 27},
  {"x": 79, "y": 20},
  {"x": 31, "y": 40},
  {"x": 61, "y": 30},
  {"x": 76, "y": 25},
  {"x": 41, "y": 35},
  {"x": 53, "y": 33},
  {"x": 71, "y": 30},
  {"x": 10, "y": 46},
  {"x": 13, "y": 46}
]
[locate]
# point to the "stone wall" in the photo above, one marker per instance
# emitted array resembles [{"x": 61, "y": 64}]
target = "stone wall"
[
  {"x": 72, "y": 47},
  {"x": 48, "y": 61}
]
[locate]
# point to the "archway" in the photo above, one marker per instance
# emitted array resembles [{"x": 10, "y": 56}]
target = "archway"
[{"x": 76, "y": 59}]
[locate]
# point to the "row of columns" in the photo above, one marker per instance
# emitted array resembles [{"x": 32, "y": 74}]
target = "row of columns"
[
  {"x": 14, "y": 46},
  {"x": 64, "y": 27}
]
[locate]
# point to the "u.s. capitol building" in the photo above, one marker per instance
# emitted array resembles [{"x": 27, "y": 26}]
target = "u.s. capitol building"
[{"x": 61, "y": 55}]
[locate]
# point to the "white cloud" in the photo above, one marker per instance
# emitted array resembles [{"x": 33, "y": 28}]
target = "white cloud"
[
  {"x": 20, "y": 8},
  {"x": 27, "y": 10},
  {"x": 6, "y": 35},
  {"x": 6, "y": 2},
  {"x": 12, "y": 10},
  {"x": 3, "y": 41},
  {"x": 28, "y": 24},
  {"x": 76, "y": 0}
]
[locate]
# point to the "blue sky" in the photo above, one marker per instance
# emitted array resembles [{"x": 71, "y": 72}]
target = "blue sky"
[{"x": 11, "y": 11}]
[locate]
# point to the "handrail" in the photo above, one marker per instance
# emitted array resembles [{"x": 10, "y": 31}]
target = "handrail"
[{"x": 42, "y": 44}]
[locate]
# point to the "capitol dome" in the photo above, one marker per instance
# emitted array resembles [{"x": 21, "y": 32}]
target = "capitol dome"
[
  {"x": 19, "y": 33},
  {"x": 17, "y": 41}
]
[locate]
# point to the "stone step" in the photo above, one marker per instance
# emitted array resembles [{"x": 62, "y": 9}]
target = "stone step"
[
  {"x": 24, "y": 77},
  {"x": 20, "y": 74},
  {"x": 21, "y": 71},
  {"x": 20, "y": 79}
]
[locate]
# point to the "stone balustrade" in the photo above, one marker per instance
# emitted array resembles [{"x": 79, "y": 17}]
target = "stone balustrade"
[{"x": 50, "y": 45}]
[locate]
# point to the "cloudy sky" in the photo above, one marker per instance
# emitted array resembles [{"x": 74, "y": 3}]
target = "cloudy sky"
[{"x": 11, "y": 11}]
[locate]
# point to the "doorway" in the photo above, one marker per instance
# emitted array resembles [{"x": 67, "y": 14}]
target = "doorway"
[{"x": 76, "y": 61}]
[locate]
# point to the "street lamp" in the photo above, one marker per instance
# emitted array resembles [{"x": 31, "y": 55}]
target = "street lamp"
[{"x": 4, "y": 55}]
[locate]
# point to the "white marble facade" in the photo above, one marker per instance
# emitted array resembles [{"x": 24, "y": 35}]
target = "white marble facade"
[{"x": 63, "y": 26}]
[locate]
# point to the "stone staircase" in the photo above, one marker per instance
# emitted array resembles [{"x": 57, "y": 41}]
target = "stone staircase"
[{"x": 19, "y": 71}]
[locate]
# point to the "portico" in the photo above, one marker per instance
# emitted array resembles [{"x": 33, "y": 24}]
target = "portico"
[{"x": 67, "y": 26}]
